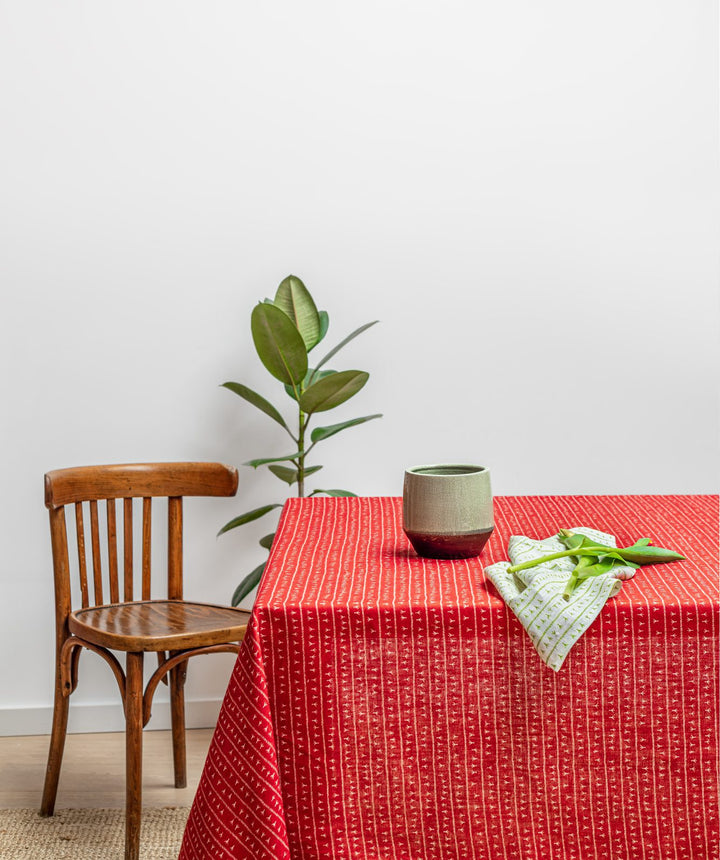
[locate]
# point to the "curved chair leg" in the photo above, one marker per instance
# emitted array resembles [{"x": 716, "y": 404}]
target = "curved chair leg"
[
  {"x": 57, "y": 746},
  {"x": 177, "y": 717},
  {"x": 133, "y": 753}
]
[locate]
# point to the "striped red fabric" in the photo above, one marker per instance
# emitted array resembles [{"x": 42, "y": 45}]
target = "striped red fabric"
[{"x": 388, "y": 706}]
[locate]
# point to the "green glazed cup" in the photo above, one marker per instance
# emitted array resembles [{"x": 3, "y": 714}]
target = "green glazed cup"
[{"x": 448, "y": 510}]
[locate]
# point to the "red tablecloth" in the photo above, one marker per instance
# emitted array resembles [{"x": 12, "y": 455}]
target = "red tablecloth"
[{"x": 387, "y": 706}]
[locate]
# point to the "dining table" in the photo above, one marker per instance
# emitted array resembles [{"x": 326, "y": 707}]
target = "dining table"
[{"x": 385, "y": 705}]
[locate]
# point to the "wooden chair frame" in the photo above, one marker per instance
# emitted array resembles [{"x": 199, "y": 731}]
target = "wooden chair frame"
[{"x": 126, "y": 624}]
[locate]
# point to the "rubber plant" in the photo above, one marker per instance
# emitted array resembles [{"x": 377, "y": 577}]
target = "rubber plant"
[{"x": 285, "y": 330}]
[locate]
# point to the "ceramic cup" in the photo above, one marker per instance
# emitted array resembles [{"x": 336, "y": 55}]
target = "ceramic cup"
[{"x": 448, "y": 510}]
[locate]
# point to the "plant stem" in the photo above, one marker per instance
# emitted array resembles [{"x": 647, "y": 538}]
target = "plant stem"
[
  {"x": 534, "y": 562},
  {"x": 301, "y": 458},
  {"x": 571, "y": 583}
]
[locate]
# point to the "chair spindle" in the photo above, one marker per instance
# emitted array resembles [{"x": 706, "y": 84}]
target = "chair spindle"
[
  {"x": 112, "y": 552},
  {"x": 128, "y": 549},
  {"x": 146, "y": 552},
  {"x": 82, "y": 564},
  {"x": 95, "y": 543},
  {"x": 175, "y": 532}
]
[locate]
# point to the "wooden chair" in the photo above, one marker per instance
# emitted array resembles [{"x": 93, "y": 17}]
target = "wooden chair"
[{"x": 113, "y": 620}]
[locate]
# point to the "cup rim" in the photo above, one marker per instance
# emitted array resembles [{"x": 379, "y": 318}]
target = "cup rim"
[{"x": 424, "y": 470}]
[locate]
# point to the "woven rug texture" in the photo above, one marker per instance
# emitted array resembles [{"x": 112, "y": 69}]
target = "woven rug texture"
[{"x": 88, "y": 834}]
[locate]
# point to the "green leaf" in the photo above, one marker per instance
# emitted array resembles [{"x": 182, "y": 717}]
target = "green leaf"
[
  {"x": 285, "y": 473},
  {"x": 324, "y": 323},
  {"x": 263, "y": 461},
  {"x": 279, "y": 344},
  {"x": 247, "y": 585},
  {"x": 247, "y": 518},
  {"x": 597, "y": 568},
  {"x": 347, "y": 340},
  {"x": 336, "y": 493},
  {"x": 604, "y": 555},
  {"x": 573, "y": 540},
  {"x": 257, "y": 401},
  {"x": 308, "y": 376},
  {"x": 266, "y": 542},
  {"x": 320, "y": 433},
  {"x": 332, "y": 391},
  {"x": 290, "y": 476},
  {"x": 293, "y": 298}
]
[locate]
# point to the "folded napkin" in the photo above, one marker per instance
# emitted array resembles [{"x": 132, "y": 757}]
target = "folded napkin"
[{"x": 535, "y": 595}]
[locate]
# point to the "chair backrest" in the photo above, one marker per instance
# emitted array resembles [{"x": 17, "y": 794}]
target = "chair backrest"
[{"x": 88, "y": 485}]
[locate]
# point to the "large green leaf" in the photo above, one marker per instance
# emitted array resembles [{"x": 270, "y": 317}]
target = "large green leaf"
[
  {"x": 257, "y": 400},
  {"x": 291, "y": 476},
  {"x": 347, "y": 340},
  {"x": 247, "y": 518},
  {"x": 293, "y": 298},
  {"x": 264, "y": 460},
  {"x": 324, "y": 323},
  {"x": 279, "y": 344},
  {"x": 247, "y": 585},
  {"x": 338, "y": 493},
  {"x": 320, "y": 433},
  {"x": 306, "y": 381},
  {"x": 332, "y": 391}
]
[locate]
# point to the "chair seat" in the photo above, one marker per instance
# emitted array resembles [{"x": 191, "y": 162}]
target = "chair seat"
[{"x": 158, "y": 625}]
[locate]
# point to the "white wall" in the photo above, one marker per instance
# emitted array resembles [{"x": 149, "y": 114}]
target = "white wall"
[{"x": 526, "y": 194}]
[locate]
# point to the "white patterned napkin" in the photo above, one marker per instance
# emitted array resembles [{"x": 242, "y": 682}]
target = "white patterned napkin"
[{"x": 535, "y": 595}]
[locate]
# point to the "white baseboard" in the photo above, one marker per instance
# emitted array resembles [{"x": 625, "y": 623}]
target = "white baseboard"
[{"x": 87, "y": 718}]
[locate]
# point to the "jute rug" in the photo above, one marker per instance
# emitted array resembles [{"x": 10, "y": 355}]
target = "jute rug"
[{"x": 88, "y": 834}]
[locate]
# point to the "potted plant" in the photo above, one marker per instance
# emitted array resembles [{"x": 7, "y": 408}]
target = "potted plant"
[{"x": 285, "y": 330}]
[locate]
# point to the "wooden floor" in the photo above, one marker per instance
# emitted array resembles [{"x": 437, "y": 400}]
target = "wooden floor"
[{"x": 93, "y": 771}]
